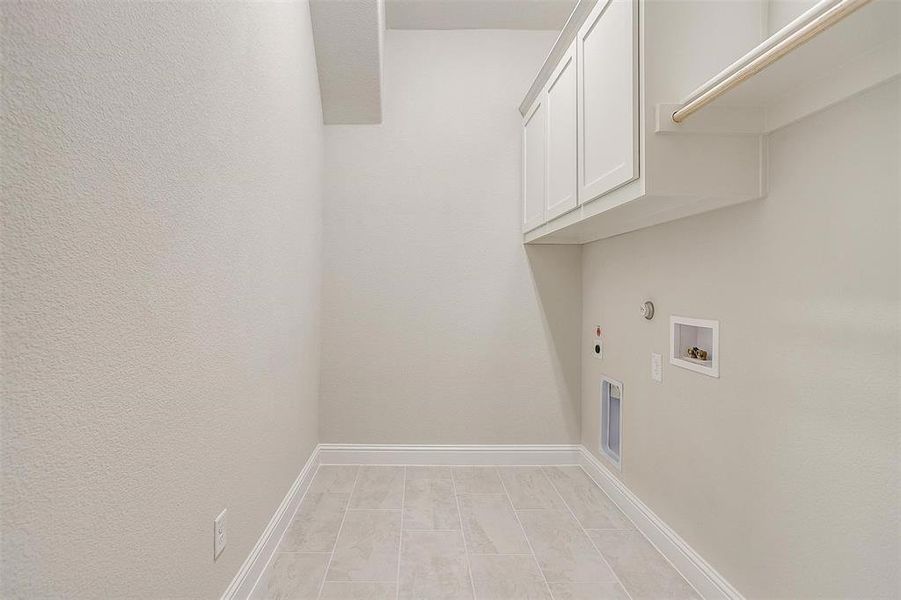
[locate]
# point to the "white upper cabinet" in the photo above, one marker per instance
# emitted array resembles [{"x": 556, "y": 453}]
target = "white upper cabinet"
[
  {"x": 607, "y": 166},
  {"x": 561, "y": 137},
  {"x": 670, "y": 102},
  {"x": 534, "y": 163},
  {"x": 607, "y": 49}
]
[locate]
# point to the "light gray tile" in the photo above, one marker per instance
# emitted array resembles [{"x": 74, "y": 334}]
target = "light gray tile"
[
  {"x": 477, "y": 480},
  {"x": 508, "y": 578},
  {"x": 490, "y": 525},
  {"x": 295, "y": 576},
  {"x": 378, "y": 487},
  {"x": 586, "y": 500},
  {"x": 368, "y": 547},
  {"x": 643, "y": 570},
  {"x": 563, "y": 550},
  {"x": 588, "y": 591},
  {"x": 315, "y": 526},
  {"x": 528, "y": 487},
  {"x": 430, "y": 504},
  {"x": 358, "y": 590},
  {"x": 433, "y": 566},
  {"x": 334, "y": 478},
  {"x": 428, "y": 472}
]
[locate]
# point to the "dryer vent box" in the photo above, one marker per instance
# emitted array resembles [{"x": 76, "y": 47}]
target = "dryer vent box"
[{"x": 611, "y": 420}]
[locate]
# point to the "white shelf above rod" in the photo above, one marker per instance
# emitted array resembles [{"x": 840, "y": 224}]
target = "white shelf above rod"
[{"x": 814, "y": 21}]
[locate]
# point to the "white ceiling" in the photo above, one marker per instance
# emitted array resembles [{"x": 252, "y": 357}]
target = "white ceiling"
[
  {"x": 349, "y": 37},
  {"x": 478, "y": 14}
]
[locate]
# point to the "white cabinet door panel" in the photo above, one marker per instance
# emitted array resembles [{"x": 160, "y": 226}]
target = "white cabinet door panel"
[
  {"x": 561, "y": 137},
  {"x": 534, "y": 165},
  {"x": 607, "y": 58}
]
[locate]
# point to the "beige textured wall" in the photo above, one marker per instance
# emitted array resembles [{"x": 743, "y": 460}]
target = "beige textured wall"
[
  {"x": 784, "y": 472},
  {"x": 160, "y": 262},
  {"x": 437, "y": 325}
]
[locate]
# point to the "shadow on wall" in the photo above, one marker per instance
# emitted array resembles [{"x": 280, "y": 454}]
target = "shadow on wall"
[{"x": 557, "y": 277}]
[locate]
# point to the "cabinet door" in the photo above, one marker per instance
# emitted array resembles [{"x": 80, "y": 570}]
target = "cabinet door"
[
  {"x": 607, "y": 57},
  {"x": 534, "y": 165},
  {"x": 561, "y": 137}
]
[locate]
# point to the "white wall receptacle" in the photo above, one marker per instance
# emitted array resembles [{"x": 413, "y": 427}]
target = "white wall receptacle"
[
  {"x": 656, "y": 367},
  {"x": 597, "y": 343},
  {"x": 219, "y": 534}
]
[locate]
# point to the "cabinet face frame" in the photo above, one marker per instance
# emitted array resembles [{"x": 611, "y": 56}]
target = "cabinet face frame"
[
  {"x": 536, "y": 117},
  {"x": 563, "y": 80},
  {"x": 628, "y": 169}
]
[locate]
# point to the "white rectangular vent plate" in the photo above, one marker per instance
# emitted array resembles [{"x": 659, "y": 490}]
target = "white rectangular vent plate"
[{"x": 611, "y": 420}]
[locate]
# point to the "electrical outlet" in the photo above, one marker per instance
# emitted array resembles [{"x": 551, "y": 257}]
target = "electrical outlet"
[
  {"x": 219, "y": 534},
  {"x": 597, "y": 344},
  {"x": 656, "y": 367}
]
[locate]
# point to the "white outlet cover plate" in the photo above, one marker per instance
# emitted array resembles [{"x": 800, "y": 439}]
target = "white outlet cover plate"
[
  {"x": 656, "y": 367},
  {"x": 219, "y": 534}
]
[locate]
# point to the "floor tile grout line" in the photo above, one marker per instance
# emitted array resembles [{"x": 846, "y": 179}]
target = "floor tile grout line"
[
  {"x": 612, "y": 501},
  {"x": 266, "y": 571},
  {"x": 585, "y": 533},
  {"x": 338, "y": 535},
  {"x": 472, "y": 583},
  {"x": 352, "y": 581},
  {"x": 543, "y": 469},
  {"x": 526, "y": 536},
  {"x": 500, "y": 554},
  {"x": 603, "y": 558},
  {"x": 400, "y": 545},
  {"x": 449, "y": 466},
  {"x": 637, "y": 530}
]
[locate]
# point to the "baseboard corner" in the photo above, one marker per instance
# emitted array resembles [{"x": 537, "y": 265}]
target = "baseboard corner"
[{"x": 242, "y": 586}]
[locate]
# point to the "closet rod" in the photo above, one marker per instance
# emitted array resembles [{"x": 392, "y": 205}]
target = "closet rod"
[{"x": 778, "y": 45}]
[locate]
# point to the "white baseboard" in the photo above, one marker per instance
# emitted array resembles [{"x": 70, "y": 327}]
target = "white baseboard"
[
  {"x": 242, "y": 585},
  {"x": 697, "y": 571},
  {"x": 693, "y": 567},
  {"x": 393, "y": 454}
]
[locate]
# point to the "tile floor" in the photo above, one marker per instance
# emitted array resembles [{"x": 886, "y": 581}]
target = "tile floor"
[{"x": 491, "y": 533}]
